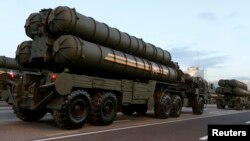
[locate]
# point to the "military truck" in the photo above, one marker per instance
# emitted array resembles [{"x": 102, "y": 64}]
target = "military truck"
[
  {"x": 8, "y": 67},
  {"x": 90, "y": 71},
  {"x": 9, "y": 72},
  {"x": 233, "y": 94}
]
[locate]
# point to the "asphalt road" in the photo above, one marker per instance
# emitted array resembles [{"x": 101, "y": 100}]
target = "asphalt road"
[{"x": 187, "y": 127}]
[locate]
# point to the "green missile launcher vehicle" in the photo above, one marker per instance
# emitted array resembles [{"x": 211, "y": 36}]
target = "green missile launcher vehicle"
[
  {"x": 10, "y": 71},
  {"x": 90, "y": 71},
  {"x": 232, "y": 93}
]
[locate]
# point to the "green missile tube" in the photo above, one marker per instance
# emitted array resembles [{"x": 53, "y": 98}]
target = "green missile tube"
[
  {"x": 64, "y": 20},
  {"x": 85, "y": 57}
]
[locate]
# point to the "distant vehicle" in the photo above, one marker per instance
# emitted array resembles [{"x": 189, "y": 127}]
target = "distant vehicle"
[
  {"x": 5, "y": 76},
  {"x": 6, "y": 72},
  {"x": 232, "y": 93},
  {"x": 9, "y": 72}
]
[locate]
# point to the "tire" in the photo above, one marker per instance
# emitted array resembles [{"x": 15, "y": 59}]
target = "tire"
[
  {"x": 198, "y": 106},
  {"x": 220, "y": 105},
  {"x": 103, "y": 108},
  {"x": 29, "y": 115},
  {"x": 247, "y": 106},
  {"x": 176, "y": 106},
  {"x": 141, "y": 109},
  {"x": 75, "y": 110},
  {"x": 238, "y": 106},
  {"x": 128, "y": 110},
  {"x": 162, "y": 105},
  {"x": 230, "y": 106}
]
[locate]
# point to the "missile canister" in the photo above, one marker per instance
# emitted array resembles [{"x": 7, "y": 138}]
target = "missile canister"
[
  {"x": 36, "y": 23},
  {"x": 32, "y": 24},
  {"x": 35, "y": 54},
  {"x": 224, "y": 90},
  {"x": 227, "y": 90},
  {"x": 63, "y": 20},
  {"x": 23, "y": 53},
  {"x": 219, "y": 90},
  {"x": 236, "y": 83},
  {"x": 9, "y": 63},
  {"x": 241, "y": 92},
  {"x": 223, "y": 82},
  {"x": 75, "y": 54},
  {"x": 232, "y": 83}
]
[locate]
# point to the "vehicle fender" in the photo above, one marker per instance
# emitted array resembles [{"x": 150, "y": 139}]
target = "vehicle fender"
[{"x": 64, "y": 83}]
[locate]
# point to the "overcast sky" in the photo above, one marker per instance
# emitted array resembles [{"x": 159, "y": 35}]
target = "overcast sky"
[{"x": 211, "y": 34}]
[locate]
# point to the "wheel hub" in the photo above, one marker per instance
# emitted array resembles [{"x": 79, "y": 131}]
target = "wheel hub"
[
  {"x": 78, "y": 109},
  {"x": 108, "y": 108}
]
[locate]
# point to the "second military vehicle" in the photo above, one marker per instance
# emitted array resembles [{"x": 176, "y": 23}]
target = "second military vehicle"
[
  {"x": 9, "y": 72},
  {"x": 232, "y": 93}
]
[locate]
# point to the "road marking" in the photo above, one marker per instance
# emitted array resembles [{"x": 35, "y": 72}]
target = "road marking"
[
  {"x": 74, "y": 132},
  {"x": 7, "y": 120},
  {"x": 5, "y": 108},
  {"x": 218, "y": 112},
  {"x": 248, "y": 122},
  {"x": 203, "y": 138},
  {"x": 211, "y": 112},
  {"x": 129, "y": 127},
  {"x": 62, "y": 133},
  {"x": 6, "y": 111},
  {"x": 185, "y": 114},
  {"x": 117, "y": 121}
]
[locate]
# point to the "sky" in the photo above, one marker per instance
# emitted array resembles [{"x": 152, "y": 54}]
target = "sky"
[{"x": 210, "y": 34}]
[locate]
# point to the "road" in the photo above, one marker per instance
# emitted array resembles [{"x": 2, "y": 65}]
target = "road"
[{"x": 126, "y": 128}]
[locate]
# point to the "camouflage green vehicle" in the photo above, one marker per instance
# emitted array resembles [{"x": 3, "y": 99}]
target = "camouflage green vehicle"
[
  {"x": 2, "y": 83},
  {"x": 232, "y": 94},
  {"x": 90, "y": 71},
  {"x": 73, "y": 99},
  {"x": 9, "y": 72}
]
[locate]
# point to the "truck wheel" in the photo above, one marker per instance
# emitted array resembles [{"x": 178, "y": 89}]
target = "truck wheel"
[
  {"x": 29, "y": 115},
  {"x": 238, "y": 106},
  {"x": 198, "y": 106},
  {"x": 230, "y": 106},
  {"x": 74, "y": 112},
  {"x": 103, "y": 108},
  {"x": 162, "y": 105},
  {"x": 247, "y": 106},
  {"x": 176, "y": 106},
  {"x": 128, "y": 109},
  {"x": 219, "y": 104},
  {"x": 141, "y": 109}
]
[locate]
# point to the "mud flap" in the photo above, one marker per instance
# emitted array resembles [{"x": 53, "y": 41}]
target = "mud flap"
[{"x": 64, "y": 84}]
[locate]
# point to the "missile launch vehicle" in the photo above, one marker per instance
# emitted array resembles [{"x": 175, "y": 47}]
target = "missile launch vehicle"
[
  {"x": 232, "y": 93},
  {"x": 90, "y": 71}
]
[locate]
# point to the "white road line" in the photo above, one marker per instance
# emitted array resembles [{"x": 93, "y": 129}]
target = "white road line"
[
  {"x": 203, "y": 138},
  {"x": 7, "y": 120},
  {"x": 6, "y": 111},
  {"x": 117, "y": 121},
  {"x": 211, "y": 112},
  {"x": 248, "y": 122},
  {"x": 62, "y": 133},
  {"x": 129, "y": 127},
  {"x": 5, "y": 107},
  {"x": 185, "y": 114}
]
